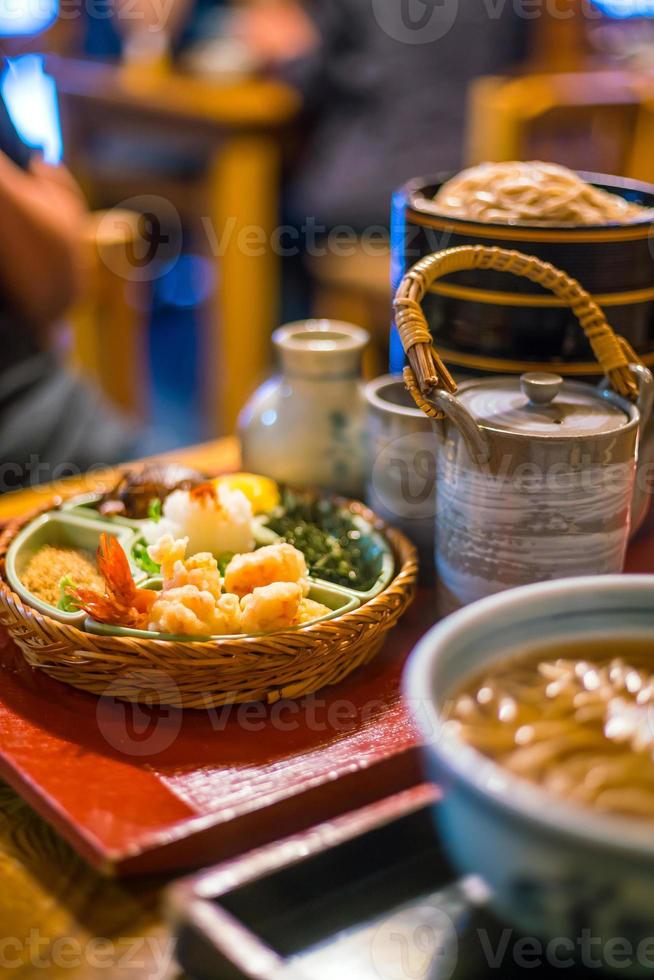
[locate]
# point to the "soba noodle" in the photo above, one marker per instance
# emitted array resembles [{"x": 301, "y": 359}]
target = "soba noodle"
[
  {"x": 532, "y": 193},
  {"x": 580, "y": 723}
]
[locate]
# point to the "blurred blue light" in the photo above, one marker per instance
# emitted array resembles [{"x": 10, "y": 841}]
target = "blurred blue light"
[
  {"x": 269, "y": 417},
  {"x": 397, "y": 357},
  {"x": 31, "y": 99},
  {"x": 625, "y": 9},
  {"x": 20, "y": 18},
  {"x": 187, "y": 283}
]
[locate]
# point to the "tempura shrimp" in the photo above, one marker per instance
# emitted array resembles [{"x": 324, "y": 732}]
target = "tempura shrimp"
[
  {"x": 199, "y": 570},
  {"x": 271, "y": 607},
  {"x": 274, "y": 563},
  {"x": 189, "y": 611},
  {"x": 167, "y": 552},
  {"x": 122, "y": 602}
]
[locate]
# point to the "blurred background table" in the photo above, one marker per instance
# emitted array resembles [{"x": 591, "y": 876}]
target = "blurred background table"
[{"x": 212, "y": 151}]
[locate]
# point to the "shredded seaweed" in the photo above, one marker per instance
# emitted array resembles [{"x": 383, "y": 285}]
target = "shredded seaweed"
[{"x": 335, "y": 548}]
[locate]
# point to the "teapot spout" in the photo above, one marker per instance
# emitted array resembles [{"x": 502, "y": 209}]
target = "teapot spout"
[{"x": 474, "y": 436}]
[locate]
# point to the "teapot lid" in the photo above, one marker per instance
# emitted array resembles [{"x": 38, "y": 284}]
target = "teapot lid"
[{"x": 542, "y": 404}]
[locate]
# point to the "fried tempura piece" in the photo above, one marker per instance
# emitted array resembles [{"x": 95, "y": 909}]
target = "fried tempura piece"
[
  {"x": 271, "y": 607},
  {"x": 189, "y": 611},
  {"x": 274, "y": 563}
]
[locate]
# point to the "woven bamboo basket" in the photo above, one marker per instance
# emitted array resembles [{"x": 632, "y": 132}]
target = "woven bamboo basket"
[{"x": 287, "y": 664}]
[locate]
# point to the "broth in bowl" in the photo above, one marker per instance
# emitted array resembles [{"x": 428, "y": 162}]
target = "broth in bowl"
[
  {"x": 563, "y": 840},
  {"x": 575, "y": 717}
]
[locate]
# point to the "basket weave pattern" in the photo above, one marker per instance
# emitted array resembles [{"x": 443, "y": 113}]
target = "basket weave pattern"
[
  {"x": 427, "y": 371},
  {"x": 190, "y": 674}
]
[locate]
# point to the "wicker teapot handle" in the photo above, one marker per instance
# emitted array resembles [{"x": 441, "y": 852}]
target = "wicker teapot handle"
[{"x": 427, "y": 371}]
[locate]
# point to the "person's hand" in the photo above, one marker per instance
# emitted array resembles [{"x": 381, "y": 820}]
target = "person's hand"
[{"x": 274, "y": 30}]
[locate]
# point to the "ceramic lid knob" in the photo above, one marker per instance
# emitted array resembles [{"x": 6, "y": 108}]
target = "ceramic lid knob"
[{"x": 540, "y": 387}]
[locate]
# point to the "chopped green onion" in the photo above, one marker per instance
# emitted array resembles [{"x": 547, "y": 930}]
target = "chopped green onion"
[
  {"x": 154, "y": 510},
  {"x": 224, "y": 560},
  {"x": 142, "y": 558},
  {"x": 66, "y": 604}
]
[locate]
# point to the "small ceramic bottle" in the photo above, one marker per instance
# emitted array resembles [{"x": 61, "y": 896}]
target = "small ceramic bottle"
[{"x": 305, "y": 426}]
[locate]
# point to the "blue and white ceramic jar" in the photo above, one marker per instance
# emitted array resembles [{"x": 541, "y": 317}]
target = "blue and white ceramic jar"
[{"x": 305, "y": 426}]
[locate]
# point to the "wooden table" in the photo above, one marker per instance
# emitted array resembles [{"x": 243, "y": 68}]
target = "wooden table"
[
  {"x": 53, "y": 905},
  {"x": 235, "y": 128},
  {"x": 212, "y": 457},
  {"x": 49, "y": 894},
  {"x": 47, "y": 891}
]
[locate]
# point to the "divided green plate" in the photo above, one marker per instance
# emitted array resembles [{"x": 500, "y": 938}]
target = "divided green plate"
[
  {"x": 338, "y": 600},
  {"x": 78, "y": 525},
  {"x": 64, "y": 529},
  {"x": 83, "y": 505}
]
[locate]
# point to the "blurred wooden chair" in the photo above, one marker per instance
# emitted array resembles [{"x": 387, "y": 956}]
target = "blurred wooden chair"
[
  {"x": 357, "y": 288},
  {"x": 585, "y": 120},
  {"x": 549, "y": 116},
  {"x": 641, "y": 159},
  {"x": 109, "y": 336}
]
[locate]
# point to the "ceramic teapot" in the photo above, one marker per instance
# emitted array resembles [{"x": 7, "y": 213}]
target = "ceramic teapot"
[{"x": 536, "y": 477}]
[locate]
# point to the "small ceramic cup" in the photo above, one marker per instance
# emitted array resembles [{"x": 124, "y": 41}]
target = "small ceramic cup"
[
  {"x": 401, "y": 465},
  {"x": 562, "y": 874}
]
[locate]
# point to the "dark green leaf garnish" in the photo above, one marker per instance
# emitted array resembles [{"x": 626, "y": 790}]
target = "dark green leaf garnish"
[{"x": 334, "y": 546}]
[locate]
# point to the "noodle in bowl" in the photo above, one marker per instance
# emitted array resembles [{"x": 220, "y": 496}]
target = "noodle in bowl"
[
  {"x": 488, "y": 322},
  {"x": 554, "y": 867},
  {"x": 536, "y": 194}
]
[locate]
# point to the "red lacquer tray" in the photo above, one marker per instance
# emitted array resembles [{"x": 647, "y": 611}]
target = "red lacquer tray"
[
  {"x": 139, "y": 790},
  {"x": 136, "y": 790}
]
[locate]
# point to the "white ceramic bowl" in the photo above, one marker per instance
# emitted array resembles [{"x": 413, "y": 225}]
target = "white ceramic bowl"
[{"x": 562, "y": 873}]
